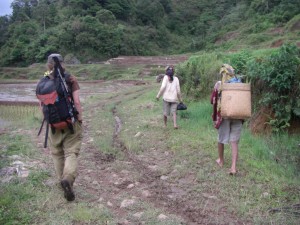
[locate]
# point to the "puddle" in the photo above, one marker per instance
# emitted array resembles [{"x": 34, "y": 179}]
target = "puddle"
[{"x": 17, "y": 93}]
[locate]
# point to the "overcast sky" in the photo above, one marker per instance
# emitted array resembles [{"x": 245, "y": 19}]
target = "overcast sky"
[{"x": 5, "y": 7}]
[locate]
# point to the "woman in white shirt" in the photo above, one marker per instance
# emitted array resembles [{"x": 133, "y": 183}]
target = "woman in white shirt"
[{"x": 170, "y": 90}]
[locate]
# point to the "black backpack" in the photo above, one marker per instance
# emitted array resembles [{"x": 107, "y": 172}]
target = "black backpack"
[{"x": 57, "y": 103}]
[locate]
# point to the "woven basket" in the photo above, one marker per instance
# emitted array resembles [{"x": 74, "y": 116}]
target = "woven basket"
[{"x": 236, "y": 101}]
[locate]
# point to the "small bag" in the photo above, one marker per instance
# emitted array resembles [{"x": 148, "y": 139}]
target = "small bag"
[{"x": 181, "y": 106}]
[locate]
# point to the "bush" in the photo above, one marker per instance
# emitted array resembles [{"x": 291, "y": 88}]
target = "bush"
[
  {"x": 198, "y": 74},
  {"x": 239, "y": 61},
  {"x": 279, "y": 77}
]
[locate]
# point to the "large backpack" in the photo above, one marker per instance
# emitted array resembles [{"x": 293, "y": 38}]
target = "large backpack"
[
  {"x": 227, "y": 76},
  {"x": 57, "y": 104},
  {"x": 234, "y": 99}
]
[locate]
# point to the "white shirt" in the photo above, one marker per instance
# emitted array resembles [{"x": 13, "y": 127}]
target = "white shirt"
[{"x": 170, "y": 90}]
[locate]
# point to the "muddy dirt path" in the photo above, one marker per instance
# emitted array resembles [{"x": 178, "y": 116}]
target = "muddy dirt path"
[
  {"x": 140, "y": 182},
  {"x": 125, "y": 184}
]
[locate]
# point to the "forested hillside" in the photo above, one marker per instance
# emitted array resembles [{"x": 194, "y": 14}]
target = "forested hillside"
[{"x": 94, "y": 30}]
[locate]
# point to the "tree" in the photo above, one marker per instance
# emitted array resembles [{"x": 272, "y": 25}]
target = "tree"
[
  {"x": 167, "y": 4},
  {"x": 21, "y": 35},
  {"x": 149, "y": 12},
  {"x": 45, "y": 13},
  {"x": 21, "y": 10},
  {"x": 4, "y": 24},
  {"x": 122, "y": 9},
  {"x": 106, "y": 16}
]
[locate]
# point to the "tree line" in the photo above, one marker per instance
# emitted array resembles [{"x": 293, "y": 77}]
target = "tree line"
[{"x": 94, "y": 30}]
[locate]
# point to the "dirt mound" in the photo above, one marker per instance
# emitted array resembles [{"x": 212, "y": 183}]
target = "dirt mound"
[
  {"x": 295, "y": 126},
  {"x": 276, "y": 31},
  {"x": 259, "y": 122},
  {"x": 296, "y": 26},
  {"x": 277, "y": 43}
]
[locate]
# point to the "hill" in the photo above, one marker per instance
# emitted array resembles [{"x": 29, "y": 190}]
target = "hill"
[{"x": 96, "y": 30}]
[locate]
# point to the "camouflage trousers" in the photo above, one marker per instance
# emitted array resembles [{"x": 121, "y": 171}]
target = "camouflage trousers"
[{"x": 65, "y": 148}]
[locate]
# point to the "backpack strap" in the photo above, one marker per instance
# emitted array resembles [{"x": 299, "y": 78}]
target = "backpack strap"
[
  {"x": 46, "y": 135},
  {"x": 41, "y": 127},
  {"x": 47, "y": 131}
]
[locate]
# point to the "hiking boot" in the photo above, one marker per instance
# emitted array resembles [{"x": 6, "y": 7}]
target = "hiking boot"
[{"x": 69, "y": 194}]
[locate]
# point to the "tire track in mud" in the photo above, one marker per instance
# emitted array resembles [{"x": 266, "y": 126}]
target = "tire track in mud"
[
  {"x": 96, "y": 176},
  {"x": 188, "y": 211},
  {"x": 149, "y": 179}
]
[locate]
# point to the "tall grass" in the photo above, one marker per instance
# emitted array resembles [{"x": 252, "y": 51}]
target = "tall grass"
[{"x": 280, "y": 150}]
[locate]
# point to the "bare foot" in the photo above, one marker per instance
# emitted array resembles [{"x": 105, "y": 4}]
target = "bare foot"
[
  {"x": 218, "y": 161},
  {"x": 232, "y": 172},
  {"x": 175, "y": 127}
]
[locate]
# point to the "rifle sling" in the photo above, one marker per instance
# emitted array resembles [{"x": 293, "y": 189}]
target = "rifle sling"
[
  {"x": 41, "y": 127},
  {"x": 46, "y": 135}
]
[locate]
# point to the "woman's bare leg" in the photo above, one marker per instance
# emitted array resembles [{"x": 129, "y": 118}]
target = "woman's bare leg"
[
  {"x": 220, "y": 160},
  {"x": 175, "y": 120},
  {"x": 234, "y": 149},
  {"x": 165, "y": 120}
]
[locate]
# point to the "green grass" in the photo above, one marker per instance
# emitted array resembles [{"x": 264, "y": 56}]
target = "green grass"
[
  {"x": 14, "y": 198},
  {"x": 83, "y": 213},
  {"x": 15, "y": 144},
  {"x": 29, "y": 200},
  {"x": 21, "y": 199},
  {"x": 268, "y": 168},
  {"x": 104, "y": 129},
  {"x": 263, "y": 183},
  {"x": 18, "y": 194}
]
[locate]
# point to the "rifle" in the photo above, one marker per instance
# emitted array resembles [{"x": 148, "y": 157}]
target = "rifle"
[{"x": 58, "y": 71}]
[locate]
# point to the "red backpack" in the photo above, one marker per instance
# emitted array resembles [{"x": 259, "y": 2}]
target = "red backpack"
[{"x": 57, "y": 102}]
